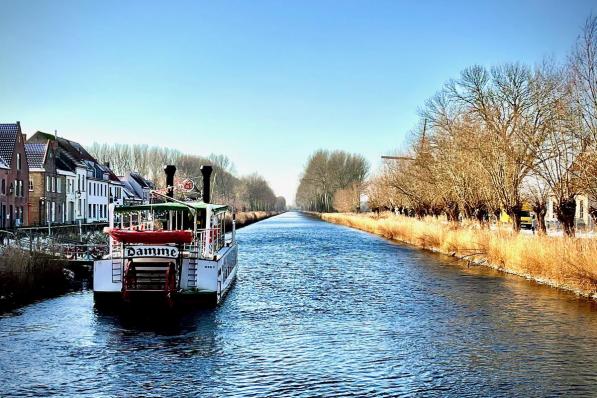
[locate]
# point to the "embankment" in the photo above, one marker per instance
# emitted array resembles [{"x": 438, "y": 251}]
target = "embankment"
[
  {"x": 566, "y": 263},
  {"x": 249, "y": 217},
  {"x": 25, "y": 278}
]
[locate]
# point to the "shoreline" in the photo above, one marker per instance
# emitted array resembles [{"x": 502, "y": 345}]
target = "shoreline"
[
  {"x": 565, "y": 266},
  {"x": 247, "y": 218}
]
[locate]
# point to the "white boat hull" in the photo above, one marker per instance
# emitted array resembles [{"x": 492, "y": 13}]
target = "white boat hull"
[{"x": 199, "y": 278}]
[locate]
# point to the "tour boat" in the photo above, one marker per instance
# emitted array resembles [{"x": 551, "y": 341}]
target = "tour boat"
[{"x": 173, "y": 250}]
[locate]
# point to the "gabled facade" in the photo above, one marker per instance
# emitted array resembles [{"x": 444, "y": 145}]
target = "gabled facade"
[
  {"x": 73, "y": 162},
  {"x": 98, "y": 192},
  {"x": 129, "y": 197},
  {"x": 140, "y": 186},
  {"x": 47, "y": 196},
  {"x": 14, "y": 177},
  {"x": 70, "y": 195}
]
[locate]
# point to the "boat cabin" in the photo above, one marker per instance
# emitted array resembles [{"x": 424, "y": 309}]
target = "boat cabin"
[{"x": 197, "y": 224}]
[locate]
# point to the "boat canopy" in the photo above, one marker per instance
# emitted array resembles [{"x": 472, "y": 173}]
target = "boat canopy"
[{"x": 176, "y": 206}]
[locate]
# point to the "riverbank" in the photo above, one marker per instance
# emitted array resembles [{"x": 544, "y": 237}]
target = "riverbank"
[
  {"x": 25, "y": 278},
  {"x": 566, "y": 263},
  {"x": 245, "y": 218}
]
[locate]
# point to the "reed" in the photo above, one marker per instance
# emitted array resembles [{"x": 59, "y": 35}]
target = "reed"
[
  {"x": 563, "y": 262},
  {"x": 24, "y": 277},
  {"x": 249, "y": 217}
]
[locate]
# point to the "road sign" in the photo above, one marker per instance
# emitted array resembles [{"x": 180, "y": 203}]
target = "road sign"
[{"x": 188, "y": 185}]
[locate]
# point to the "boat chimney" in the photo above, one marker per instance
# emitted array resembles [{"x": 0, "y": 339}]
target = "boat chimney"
[
  {"x": 206, "y": 171},
  {"x": 170, "y": 170}
]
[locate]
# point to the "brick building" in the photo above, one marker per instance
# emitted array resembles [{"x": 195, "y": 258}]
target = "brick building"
[
  {"x": 14, "y": 177},
  {"x": 47, "y": 188}
]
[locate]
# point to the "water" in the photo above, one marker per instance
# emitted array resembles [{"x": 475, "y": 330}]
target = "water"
[{"x": 318, "y": 310}]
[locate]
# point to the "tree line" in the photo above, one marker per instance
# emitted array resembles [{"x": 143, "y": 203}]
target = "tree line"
[
  {"x": 332, "y": 180},
  {"x": 246, "y": 193},
  {"x": 495, "y": 139}
]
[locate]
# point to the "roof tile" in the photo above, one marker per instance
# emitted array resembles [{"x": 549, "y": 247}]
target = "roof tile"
[
  {"x": 36, "y": 154},
  {"x": 8, "y": 139}
]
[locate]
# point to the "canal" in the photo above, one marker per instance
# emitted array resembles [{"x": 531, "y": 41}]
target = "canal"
[{"x": 318, "y": 310}]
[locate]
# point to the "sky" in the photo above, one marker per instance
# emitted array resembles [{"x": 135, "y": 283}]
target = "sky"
[{"x": 264, "y": 82}]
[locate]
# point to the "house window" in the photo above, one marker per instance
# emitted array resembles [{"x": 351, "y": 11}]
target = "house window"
[
  {"x": 581, "y": 209},
  {"x": 18, "y": 161},
  {"x": 58, "y": 185},
  {"x": 30, "y": 185},
  {"x": 53, "y": 211},
  {"x": 53, "y": 184},
  {"x": 48, "y": 184},
  {"x": 3, "y": 186},
  {"x": 89, "y": 210}
]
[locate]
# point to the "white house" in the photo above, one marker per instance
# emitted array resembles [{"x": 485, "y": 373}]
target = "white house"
[
  {"x": 98, "y": 192},
  {"x": 140, "y": 186},
  {"x": 582, "y": 217},
  {"x": 70, "y": 185},
  {"x": 116, "y": 192}
]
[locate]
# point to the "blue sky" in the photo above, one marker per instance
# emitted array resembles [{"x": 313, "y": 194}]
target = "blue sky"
[{"x": 264, "y": 82}]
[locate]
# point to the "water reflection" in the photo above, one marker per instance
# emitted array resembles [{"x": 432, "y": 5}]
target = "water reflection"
[{"x": 318, "y": 309}]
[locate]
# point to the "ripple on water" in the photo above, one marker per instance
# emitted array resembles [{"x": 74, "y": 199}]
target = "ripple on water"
[{"x": 318, "y": 309}]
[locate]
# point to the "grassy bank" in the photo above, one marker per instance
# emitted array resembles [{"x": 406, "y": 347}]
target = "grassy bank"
[
  {"x": 25, "y": 278},
  {"x": 567, "y": 263},
  {"x": 249, "y": 217}
]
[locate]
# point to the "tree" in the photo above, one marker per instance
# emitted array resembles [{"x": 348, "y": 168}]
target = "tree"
[
  {"x": 507, "y": 108},
  {"x": 327, "y": 172},
  {"x": 249, "y": 193},
  {"x": 347, "y": 199},
  {"x": 582, "y": 68}
]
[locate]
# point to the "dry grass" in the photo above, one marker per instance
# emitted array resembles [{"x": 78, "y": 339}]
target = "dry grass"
[
  {"x": 24, "y": 277},
  {"x": 249, "y": 217},
  {"x": 568, "y": 263}
]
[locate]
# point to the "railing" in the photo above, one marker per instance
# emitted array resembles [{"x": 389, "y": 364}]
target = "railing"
[
  {"x": 79, "y": 252},
  {"x": 207, "y": 244}
]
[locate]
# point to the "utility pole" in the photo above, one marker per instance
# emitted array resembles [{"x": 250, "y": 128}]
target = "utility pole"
[{"x": 387, "y": 157}]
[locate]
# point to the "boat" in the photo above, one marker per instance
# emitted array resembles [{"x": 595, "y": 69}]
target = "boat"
[{"x": 172, "y": 250}]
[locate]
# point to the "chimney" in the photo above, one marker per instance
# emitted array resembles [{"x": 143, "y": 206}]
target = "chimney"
[
  {"x": 55, "y": 134},
  {"x": 24, "y": 137},
  {"x": 206, "y": 171},
  {"x": 170, "y": 170}
]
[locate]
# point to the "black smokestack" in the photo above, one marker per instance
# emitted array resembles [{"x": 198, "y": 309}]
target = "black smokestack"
[
  {"x": 206, "y": 171},
  {"x": 170, "y": 170}
]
